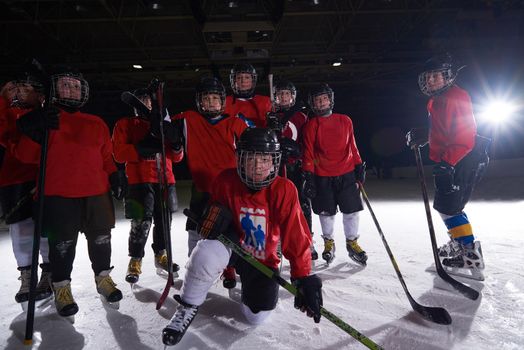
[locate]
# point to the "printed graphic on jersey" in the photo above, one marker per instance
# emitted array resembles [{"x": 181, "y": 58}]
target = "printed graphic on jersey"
[{"x": 253, "y": 222}]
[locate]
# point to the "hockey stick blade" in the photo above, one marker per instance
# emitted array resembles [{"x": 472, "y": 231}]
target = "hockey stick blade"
[
  {"x": 434, "y": 314},
  {"x": 133, "y": 101},
  {"x": 242, "y": 253},
  {"x": 465, "y": 290}
]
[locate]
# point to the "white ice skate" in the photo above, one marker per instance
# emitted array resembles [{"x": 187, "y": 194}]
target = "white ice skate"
[{"x": 468, "y": 262}]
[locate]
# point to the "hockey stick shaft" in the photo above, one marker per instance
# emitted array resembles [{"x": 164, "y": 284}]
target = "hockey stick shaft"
[
  {"x": 289, "y": 287},
  {"x": 468, "y": 292},
  {"x": 434, "y": 314}
]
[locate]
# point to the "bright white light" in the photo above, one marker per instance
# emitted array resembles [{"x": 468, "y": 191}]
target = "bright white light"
[
  {"x": 336, "y": 64},
  {"x": 498, "y": 111},
  {"x": 137, "y": 66}
]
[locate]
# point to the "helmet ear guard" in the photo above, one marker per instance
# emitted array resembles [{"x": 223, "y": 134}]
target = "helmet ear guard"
[
  {"x": 322, "y": 89},
  {"x": 255, "y": 144}
]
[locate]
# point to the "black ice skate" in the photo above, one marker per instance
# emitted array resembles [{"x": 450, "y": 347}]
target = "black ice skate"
[
  {"x": 449, "y": 249},
  {"x": 161, "y": 264},
  {"x": 229, "y": 280},
  {"x": 25, "y": 277},
  {"x": 314, "y": 254},
  {"x": 467, "y": 262},
  {"x": 134, "y": 269},
  {"x": 329, "y": 250},
  {"x": 64, "y": 301},
  {"x": 107, "y": 289},
  {"x": 355, "y": 252},
  {"x": 43, "y": 288},
  {"x": 177, "y": 327}
]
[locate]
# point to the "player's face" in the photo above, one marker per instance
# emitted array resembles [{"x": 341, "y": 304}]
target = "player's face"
[
  {"x": 69, "y": 88},
  {"x": 244, "y": 81},
  {"x": 26, "y": 94},
  {"x": 259, "y": 166},
  {"x": 146, "y": 100},
  {"x": 284, "y": 98},
  {"x": 8, "y": 91},
  {"x": 321, "y": 102},
  {"x": 211, "y": 102},
  {"x": 435, "y": 80}
]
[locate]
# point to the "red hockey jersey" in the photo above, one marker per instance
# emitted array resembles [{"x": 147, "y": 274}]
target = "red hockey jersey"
[
  {"x": 329, "y": 146},
  {"x": 265, "y": 217},
  {"x": 128, "y": 132},
  {"x": 253, "y": 109},
  {"x": 12, "y": 170},
  {"x": 210, "y": 148},
  {"x": 79, "y": 159},
  {"x": 452, "y": 126}
]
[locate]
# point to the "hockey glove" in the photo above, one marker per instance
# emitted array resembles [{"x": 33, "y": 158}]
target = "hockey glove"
[
  {"x": 35, "y": 122},
  {"x": 310, "y": 188},
  {"x": 444, "y": 177},
  {"x": 360, "y": 172},
  {"x": 118, "y": 181},
  {"x": 417, "y": 137},
  {"x": 274, "y": 122},
  {"x": 309, "y": 296},
  {"x": 216, "y": 221},
  {"x": 290, "y": 148},
  {"x": 148, "y": 147},
  {"x": 173, "y": 133}
]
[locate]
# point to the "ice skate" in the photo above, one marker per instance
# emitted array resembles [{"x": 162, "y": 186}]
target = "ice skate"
[
  {"x": 64, "y": 302},
  {"x": 177, "y": 327},
  {"x": 107, "y": 289},
  {"x": 355, "y": 252},
  {"x": 314, "y": 254},
  {"x": 161, "y": 264},
  {"x": 134, "y": 269},
  {"x": 229, "y": 280},
  {"x": 449, "y": 249},
  {"x": 329, "y": 250},
  {"x": 43, "y": 288},
  {"x": 468, "y": 262},
  {"x": 22, "y": 296}
]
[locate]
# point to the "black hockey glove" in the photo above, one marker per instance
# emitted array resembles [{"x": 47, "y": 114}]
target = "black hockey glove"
[
  {"x": 417, "y": 137},
  {"x": 216, "y": 221},
  {"x": 173, "y": 133},
  {"x": 118, "y": 181},
  {"x": 290, "y": 148},
  {"x": 309, "y": 296},
  {"x": 148, "y": 147},
  {"x": 274, "y": 122},
  {"x": 444, "y": 177},
  {"x": 360, "y": 172},
  {"x": 310, "y": 188},
  {"x": 35, "y": 122}
]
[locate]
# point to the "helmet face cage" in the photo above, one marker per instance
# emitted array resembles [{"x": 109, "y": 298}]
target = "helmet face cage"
[
  {"x": 246, "y": 69},
  {"x": 248, "y": 163},
  {"x": 25, "y": 97},
  {"x": 448, "y": 78},
  {"x": 78, "y": 96},
  {"x": 326, "y": 90},
  {"x": 200, "y": 104},
  {"x": 285, "y": 87}
]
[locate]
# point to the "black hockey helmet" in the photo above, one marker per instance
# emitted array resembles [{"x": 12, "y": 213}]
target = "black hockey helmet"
[
  {"x": 207, "y": 86},
  {"x": 254, "y": 143},
  {"x": 322, "y": 89},
  {"x": 243, "y": 68},
  {"x": 70, "y": 79},
  {"x": 37, "y": 81},
  {"x": 284, "y": 85},
  {"x": 24, "y": 98},
  {"x": 444, "y": 64}
]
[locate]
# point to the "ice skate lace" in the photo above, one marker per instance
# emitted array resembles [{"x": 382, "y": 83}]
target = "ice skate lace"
[
  {"x": 182, "y": 318},
  {"x": 106, "y": 285},
  {"x": 450, "y": 249},
  {"x": 135, "y": 266},
  {"x": 44, "y": 282},
  {"x": 161, "y": 262},
  {"x": 25, "y": 278},
  {"x": 354, "y": 246},
  {"x": 64, "y": 296},
  {"x": 328, "y": 245}
]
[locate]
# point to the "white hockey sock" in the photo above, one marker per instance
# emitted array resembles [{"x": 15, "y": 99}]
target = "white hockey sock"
[
  {"x": 206, "y": 263},
  {"x": 192, "y": 239},
  {"x": 22, "y": 233},
  {"x": 350, "y": 222},
  {"x": 328, "y": 225}
]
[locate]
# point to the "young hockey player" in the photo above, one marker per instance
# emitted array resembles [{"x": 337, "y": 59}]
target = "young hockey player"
[
  {"x": 134, "y": 145},
  {"x": 287, "y": 122},
  {"x": 210, "y": 137},
  {"x": 79, "y": 171},
  {"x": 253, "y": 194},
  {"x": 244, "y": 103},
  {"x": 460, "y": 156},
  {"x": 17, "y": 180},
  {"x": 332, "y": 167}
]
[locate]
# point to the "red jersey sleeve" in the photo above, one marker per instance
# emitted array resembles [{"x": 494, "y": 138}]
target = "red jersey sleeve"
[
  {"x": 308, "y": 139},
  {"x": 123, "y": 148}
]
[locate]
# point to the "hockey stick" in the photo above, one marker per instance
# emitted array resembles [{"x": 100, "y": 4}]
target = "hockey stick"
[
  {"x": 158, "y": 98},
  {"x": 468, "y": 292},
  {"x": 30, "y": 319},
  {"x": 434, "y": 314},
  {"x": 130, "y": 99},
  {"x": 289, "y": 287}
]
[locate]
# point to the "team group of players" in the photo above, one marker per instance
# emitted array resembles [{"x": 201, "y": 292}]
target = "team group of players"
[{"x": 259, "y": 166}]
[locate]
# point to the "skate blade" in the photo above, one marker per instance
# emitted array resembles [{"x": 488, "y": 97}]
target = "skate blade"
[
  {"x": 161, "y": 272},
  {"x": 473, "y": 274},
  {"x": 113, "y": 305}
]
